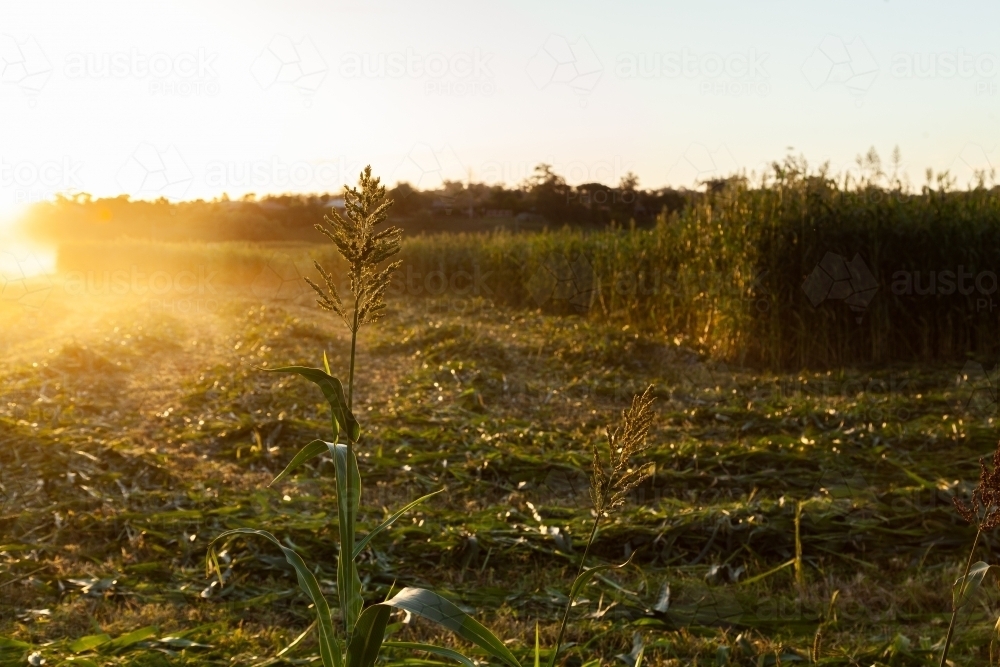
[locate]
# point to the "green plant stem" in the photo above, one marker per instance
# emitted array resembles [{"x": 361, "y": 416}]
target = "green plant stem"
[
  {"x": 348, "y": 632},
  {"x": 569, "y": 602},
  {"x": 799, "y": 580},
  {"x": 955, "y": 605},
  {"x": 354, "y": 344}
]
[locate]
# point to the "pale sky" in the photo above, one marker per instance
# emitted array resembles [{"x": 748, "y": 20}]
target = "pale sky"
[{"x": 193, "y": 99}]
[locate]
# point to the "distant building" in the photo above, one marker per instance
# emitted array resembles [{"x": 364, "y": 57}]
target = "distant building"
[{"x": 446, "y": 204}]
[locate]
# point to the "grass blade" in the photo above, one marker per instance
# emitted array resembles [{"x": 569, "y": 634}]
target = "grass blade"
[
  {"x": 538, "y": 648},
  {"x": 388, "y": 522},
  {"x": 587, "y": 575},
  {"x": 328, "y": 647},
  {"x": 333, "y": 389},
  {"x": 297, "y": 640},
  {"x": 965, "y": 587},
  {"x": 313, "y": 449},
  {"x": 435, "y": 608},
  {"x": 368, "y": 635},
  {"x": 435, "y": 650}
]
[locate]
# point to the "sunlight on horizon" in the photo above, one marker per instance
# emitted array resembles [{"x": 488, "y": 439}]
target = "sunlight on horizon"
[
  {"x": 21, "y": 257},
  {"x": 214, "y": 98}
]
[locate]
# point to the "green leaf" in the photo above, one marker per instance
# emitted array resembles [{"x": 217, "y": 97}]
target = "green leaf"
[
  {"x": 388, "y": 522},
  {"x": 312, "y": 450},
  {"x": 587, "y": 575},
  {"x": 435, "y": 650},
  {"x": 435, "y": 608},
  {"x": 88, "y": 643},
  {"x": 7, "y": 643},
  {"x": 328, "y": 647},
  {"x": 368, "y": 634},
  {"x": 131, "y": 638},
  {"x": 333, "y": 389},
  {"x": 348, "y": 499},
  {"x": 965, "y": 587},
  {"x": 538, "y": 648}
]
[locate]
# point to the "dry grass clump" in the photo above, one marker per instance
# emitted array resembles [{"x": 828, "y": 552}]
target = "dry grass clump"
[
  {"x": 984, "y": 514},
  {"x": 610, "y": 484}
]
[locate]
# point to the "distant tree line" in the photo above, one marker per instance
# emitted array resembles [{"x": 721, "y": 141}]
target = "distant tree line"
[{"x": 544, "y": 199}]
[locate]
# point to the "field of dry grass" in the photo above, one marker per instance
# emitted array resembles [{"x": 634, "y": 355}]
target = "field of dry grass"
[{"x": 133, "y": 430}]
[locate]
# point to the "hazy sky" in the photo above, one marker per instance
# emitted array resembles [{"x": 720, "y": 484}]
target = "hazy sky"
[{"x": 193, "y": 99}]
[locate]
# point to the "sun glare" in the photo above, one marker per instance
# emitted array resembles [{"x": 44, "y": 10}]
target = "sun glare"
[
  {"x": 20, "y": 257},
  {"x": 10, "y": 214}
]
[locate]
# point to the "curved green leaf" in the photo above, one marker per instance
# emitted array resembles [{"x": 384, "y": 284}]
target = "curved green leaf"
[
  {"x": 88, "y": 643},
  {"x": 312, "y": 450},
  {"x": 965, "y": 587},
  {"x": 368, "y": 635},
  {"x": 435, "y": 608},
  {"x": 130, "y": 638},
  {"x": 328, "y": 647},
  {"x": 435, "y": 650},
  {"x": 348, "y": 499},
  {"x": 388, "y": 522},
  {"x": 333, "y": 389},
  {"x": 587, "y": 575}
]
